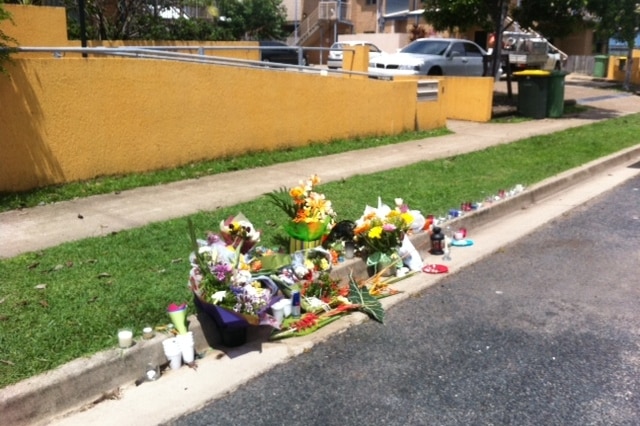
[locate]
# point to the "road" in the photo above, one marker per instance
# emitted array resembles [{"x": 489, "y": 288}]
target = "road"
[{"x": 545, "y": 331}]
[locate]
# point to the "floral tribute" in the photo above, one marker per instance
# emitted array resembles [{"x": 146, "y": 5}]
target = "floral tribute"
[
  {"x": 380, "y": 232},
  {"x": 310, "y": 213},
  {"x": 221, "y": 273},
  {"x": 323, "y": 298}
]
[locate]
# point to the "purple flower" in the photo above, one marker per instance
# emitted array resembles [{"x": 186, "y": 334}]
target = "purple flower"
[
  {"x": 221, "y": 270},
  {"x": 213, "y": 239}
]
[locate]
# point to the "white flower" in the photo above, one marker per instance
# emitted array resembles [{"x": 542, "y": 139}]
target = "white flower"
[
  {"x": 398, "y": 202},
  {"x": 218, "y": 296}
]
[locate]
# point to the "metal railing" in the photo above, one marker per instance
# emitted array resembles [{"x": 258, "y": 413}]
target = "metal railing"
[{"x": 173, "y": 53}]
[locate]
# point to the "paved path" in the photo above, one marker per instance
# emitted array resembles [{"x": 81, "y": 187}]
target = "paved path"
[{"x": 50, "y": 225}]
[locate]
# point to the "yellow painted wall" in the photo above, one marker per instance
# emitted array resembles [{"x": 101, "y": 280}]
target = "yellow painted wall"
[
  {"x": 77, "y": 118},
  {"x": 252, "y": 53},
  {"x": 617, "y": 72},
  {"x": 467, "y": 98},
  {"x": 36, "y": 25},
  {"x": 464, "y": 98},
  {"x": 74, "y": 119}
]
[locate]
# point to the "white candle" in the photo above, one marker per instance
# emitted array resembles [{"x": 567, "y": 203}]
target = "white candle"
[
  {"x": 125, "y": 338},
  {"x": 349, "y": 250}
]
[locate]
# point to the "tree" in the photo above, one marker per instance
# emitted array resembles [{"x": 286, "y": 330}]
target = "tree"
[
  {"x": 141, "y": 20},
  {"x": 253, "y": 19},
  {"x": 551, "y": 18},
  {"x": 619, "y": 19},
  {"x": 7, "y": 43}
]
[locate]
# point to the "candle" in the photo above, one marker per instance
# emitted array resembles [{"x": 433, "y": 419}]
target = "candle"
[
  {"x": 152, "y": 372},
  {"x": 125, "y": 338},
  {"x": 147, "y": 333},
  {"x": 349, "y": 250}
]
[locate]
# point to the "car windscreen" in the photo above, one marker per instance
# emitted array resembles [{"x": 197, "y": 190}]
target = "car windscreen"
[{"x": 426, "y": 47}]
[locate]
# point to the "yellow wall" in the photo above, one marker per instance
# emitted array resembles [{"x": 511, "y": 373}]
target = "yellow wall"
[
  {"x": 36, "y": 25},
  {"x": 465, "y": 98},
  {"x": 73, "y": 118},
  {"x": 616, "y": 70}
]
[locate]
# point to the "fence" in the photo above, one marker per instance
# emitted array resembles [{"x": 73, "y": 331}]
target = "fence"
[{"x": 580, "y": 64}]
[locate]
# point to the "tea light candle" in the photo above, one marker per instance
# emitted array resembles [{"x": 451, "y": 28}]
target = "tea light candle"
[
  {"x": 147, "y": 333},
  {"x": 125, "y": 338},
  {"x": 152, "y": 372}
]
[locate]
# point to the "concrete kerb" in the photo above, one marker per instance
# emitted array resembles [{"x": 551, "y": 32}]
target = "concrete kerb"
[{"x": 83, "y": 382}]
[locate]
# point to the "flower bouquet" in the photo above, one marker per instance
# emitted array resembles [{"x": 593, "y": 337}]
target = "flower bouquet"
[
  {"x": 379, "y": 234},
  {"x": 223, "y": 285},
  {"x": 310, "y": 213},
  {"x": 238, "y": 232},
  {"x": 307, "y": 267},
  {"x": 335, "y": 300}
]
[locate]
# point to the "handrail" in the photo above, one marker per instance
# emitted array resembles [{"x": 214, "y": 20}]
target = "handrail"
[{"x": 167, "y": 53}]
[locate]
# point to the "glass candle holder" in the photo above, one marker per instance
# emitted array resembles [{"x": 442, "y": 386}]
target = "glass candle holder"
[
  {"x": 147, "y": 333},
  {"x": 152, "y": 372},
  {"x": 125, "y": 338}
]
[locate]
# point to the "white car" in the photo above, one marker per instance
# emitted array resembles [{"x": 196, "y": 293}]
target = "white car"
[
  {"x": 335, "y": 54},
  {"x": 432, "y": 56}
]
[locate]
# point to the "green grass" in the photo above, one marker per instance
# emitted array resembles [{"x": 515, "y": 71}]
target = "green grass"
[
  {"x": 109, "y": 184},
  {"x": 66, "y": 302}
]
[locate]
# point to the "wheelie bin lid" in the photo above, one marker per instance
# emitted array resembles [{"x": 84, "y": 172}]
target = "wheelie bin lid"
[{"x": 532, "y": 73}]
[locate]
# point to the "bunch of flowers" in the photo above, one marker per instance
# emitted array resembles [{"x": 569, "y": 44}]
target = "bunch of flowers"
[
  {"x": 238, "y": 232},
  {"x": 220, "y": 274},
  {"x": 310, "y": 212},
  {"x": 382, "y": 229}
]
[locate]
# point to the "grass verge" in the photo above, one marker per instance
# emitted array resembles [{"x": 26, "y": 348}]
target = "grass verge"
[
  {"x": 109, "y": 184},
  {"x": 66, "y": 302}
]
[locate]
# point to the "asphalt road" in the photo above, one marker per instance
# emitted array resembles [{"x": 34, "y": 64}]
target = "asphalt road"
[{"x": 543, "y": 332}]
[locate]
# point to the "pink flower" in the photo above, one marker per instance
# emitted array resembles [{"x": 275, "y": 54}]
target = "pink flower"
[
  {"x": 389, "y": 227},
  {"x": 175, "y": 307}
]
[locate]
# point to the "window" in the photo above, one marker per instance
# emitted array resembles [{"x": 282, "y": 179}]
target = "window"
[
  {"x": 458, "y": 48},
  {"x": 472, "y": 50}
]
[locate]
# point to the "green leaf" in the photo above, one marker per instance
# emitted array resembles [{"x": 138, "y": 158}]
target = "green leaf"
[
  {"x": 282, "y": 199},
  {"x": 368, "y": 304}
]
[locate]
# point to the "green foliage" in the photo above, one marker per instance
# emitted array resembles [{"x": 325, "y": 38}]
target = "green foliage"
[
  {"x": 253, "y": 19},
  {"x": 6, "y": 43},
  {"x": 366, "y": 302},
  {"x": 461, "y": 14},
  {"x": 552, "y": 18},
  {"x": 137, "y": 20}
]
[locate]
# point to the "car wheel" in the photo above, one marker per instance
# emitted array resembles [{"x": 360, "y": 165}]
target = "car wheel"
[{"x": 435, "y": 71}]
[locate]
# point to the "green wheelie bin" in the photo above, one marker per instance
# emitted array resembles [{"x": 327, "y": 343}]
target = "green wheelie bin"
[
  {"x": 555, "y": 97},
  {"x": 600, "y": 66},
  {"x": 533, "y": 93}
]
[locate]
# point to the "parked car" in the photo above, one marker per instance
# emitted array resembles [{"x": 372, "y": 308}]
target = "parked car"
[
  {"x": 335, "y": 54},
  {"x": 279, "y": 52},
  {"x": 432, "y": 56}
]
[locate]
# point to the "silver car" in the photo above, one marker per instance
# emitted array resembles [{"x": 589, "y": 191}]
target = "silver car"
[{"x": 432, "y": 56}]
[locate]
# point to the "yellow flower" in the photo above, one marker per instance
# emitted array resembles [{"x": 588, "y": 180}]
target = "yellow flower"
[
  {"x": 408, "y": 219},
  {"x": 375, "y": 232},
  {"x": 297, "y": 192},
  {"x": 324, "y": 264}
]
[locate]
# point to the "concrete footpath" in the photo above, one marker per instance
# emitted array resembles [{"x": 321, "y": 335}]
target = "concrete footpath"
[{"x": 104, "y": 384}]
